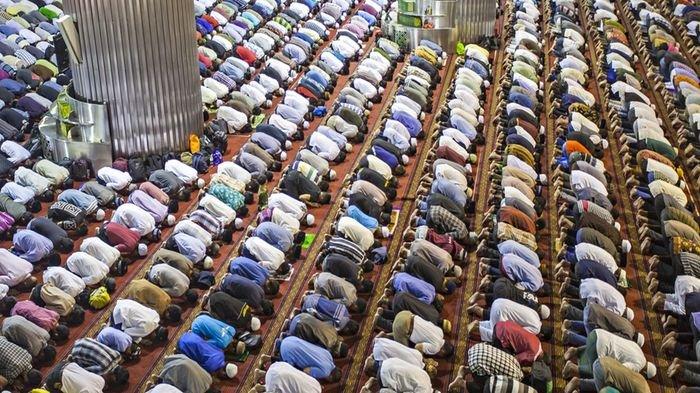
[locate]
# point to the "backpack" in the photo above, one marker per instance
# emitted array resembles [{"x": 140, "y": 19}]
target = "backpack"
[
  {"x": 81, "y": 169},
  {"x": 137, "y": 169},
  {"x": 186, "y": 157},
  {"x": 121, "y": 164},
  {"x": 194, "y": 143},
  {"x": 200, "y": 162},
  {"x": 154, "y": 162},
  {"x": 217, "y": 133}
]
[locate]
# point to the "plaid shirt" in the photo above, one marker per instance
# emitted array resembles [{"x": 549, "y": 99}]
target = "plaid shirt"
[
  {"x": 345, "y": 247},
  {"x": 447, "y": 223},
  {"x": 485, "y": 359},
  {"x": 208, "y": 222},
  {"x": 94, "y": 356},
  {"x": 14, "y": 360}
]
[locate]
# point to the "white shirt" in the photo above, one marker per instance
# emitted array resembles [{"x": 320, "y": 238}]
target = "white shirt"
[
  {"x": 597, "y": 291},
  {"x": 287, "y": 204},
  {"x": 516, "y": 162},
  {"x": 135, "y": 319},
  {"x": 398, "y": 375},
  {"x": 621, "y": 349},
  {"x": 323, "y": 146},
  {"x": 100, "y": 250},
  {"x": 386, "y": 348},
  {"x": 235, "y": 119},
  {"x": 235, "y": 171},
  {"x": 28, "y": 178},
  {"x": 596, "y": 254},
  {"x": 89, "y": 268},
  {"x": 218, "y": 209},
  {"x": 183, "y": 171},
  {"x": 19, "y": 194},
  {"x": 76, "y": 379},
  {"x": 286, "y": 220},
  {"x": 269, "y": 256},
  {"x": 380, "y": 166},
  {"x": 113, "y": 178},
  {"x": 15, "y": 152},
  {"x": 452, "y": 175},
  {"x": 580, "y": 180},
  {"x": 134, "y": 218},
  {"x": 166, "y": 388},
  {"x": 64, "y": 280},
  {"x": 190, "y": 228},
  {"x": 356, "y": 232},
  {"x": 282, "y": 377},
  {"x": 13, "y": 269},
  {"x": 683, "y": 285},
  {"x": 428, "y": 334},
  {"x": 508, "y": 310}
]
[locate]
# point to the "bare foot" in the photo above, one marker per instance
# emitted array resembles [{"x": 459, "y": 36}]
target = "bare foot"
[
  {"x": 569, "y": 370},
  {"x": 570, "y": 353},
  {"x": 572, "y": 386}
]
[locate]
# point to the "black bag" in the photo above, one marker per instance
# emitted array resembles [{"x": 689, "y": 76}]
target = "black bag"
[
  {"x": 81, "y": 170},
  {"x": 200, "y": 162},
  {"x": 217, "y": 133},
  {"x": 137, "y": 169},
  {"x": 154, "y": 162}
]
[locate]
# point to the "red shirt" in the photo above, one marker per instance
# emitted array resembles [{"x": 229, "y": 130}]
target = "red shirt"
[
  {"x": 120, "y": 237},
  {"x": 446, "y": 242},
  {"x": 449, "y": 154},
  {"x": 527, "y": 346},
  {"x": 246, "y": 54}
]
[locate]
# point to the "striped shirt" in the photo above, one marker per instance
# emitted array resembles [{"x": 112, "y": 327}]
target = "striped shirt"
[{"x": 94, "y": 356}]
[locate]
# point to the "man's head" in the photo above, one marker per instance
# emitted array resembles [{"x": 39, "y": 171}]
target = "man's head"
[
  {"x": 173, "y": 313},
  {"x": 7, "y": 304},
  {"x": 267, "y": 307},
  {"x": 361, "y": 305},
  {"x": 53, "y": 259},
  {"x": 110, "y": 284},
  {"x": 34, "y": 378},
  {"x": 65, "y": 245},
  {"x": 60, "y": 333},
  {"x": 271, "y": 287},
  {"x": 191, "y": 295},
  {"x": 121, "y": 376},
  {"x": 48, "y": 354},
  {"x": 76, "y": 316},
  {"x": 160, "y": 334}
]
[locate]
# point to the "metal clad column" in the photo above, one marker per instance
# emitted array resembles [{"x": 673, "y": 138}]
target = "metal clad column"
[{"x": 140, "y": 57}]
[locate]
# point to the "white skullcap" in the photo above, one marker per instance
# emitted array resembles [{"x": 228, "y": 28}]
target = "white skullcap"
[
  {"x": 348, "y": 147},
  {"x": 380, "y": 90},
  {"x": 268, "y": 103},
  {"x": 457, "y": 270},
  {"x": 385, "y": 232},
  {"x": 170, "y": 220},
  {"x": 100, "y": 215},
  {"x": 305, "y": 124},
  {"x": 332, "y": 174},
  {"x": 287, "y": 144},
  {"x": 231, "y": 370},
  {"x": 640, "y": 339},
  {"x": 414, "y": 142},
  {"x": 651, "y": 370},
  {"x": 370, "y": 104},
  {"x": 422, "y": 116},
  {"x": 254, "y": 324},
  {"x": 404, "y": 159},
  {"x": 208, "y": 263},
  {"x": 481, "y": 119},
  {"x": 283, "y": 156},
  {"x": 310, "y": 219},
  {"x": 605, "y": 143},
  {"x": 542, "y": 178},
  {"x": 542, "y": 130},
  {"x": 544, "y": 312},
  {"x": 682, "y": 185},
  {"x": 238, "y": 223},
  {"x": 251, "y": 69},
  {"x": 629, "y": 314},
  {"x": 142, "y": 249},
  {"x": 200, "y": 183},
  {"x": 626, "y": 245},
  {"x": 617, "y": 225}
]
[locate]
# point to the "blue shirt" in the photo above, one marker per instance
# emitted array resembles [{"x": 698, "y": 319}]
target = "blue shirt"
[
  {"x": 521, "y": 272},
  {"x": 477, "y": 67},
  {"x": 244, "y": 289},
  {"x": 413, "y": 125},
  {"x": 463, "y": 126},
  {"x": 359, "y": 216},
  {"x": 385, "y": 156},
  {"x": 31, "y": 246},
  {"x": 250, "y": 269},
  {"x": 191, "y": 247},
  {"x": 204, "y": 353},
  {"x": 521, "y": 99},
  {"x": 450, "y": 190},
  {"x": 275, "y": 235},
  {"x": 302, "y": 355},
  {"x": 216, "y": 332},
  {"x": 513, "y": 247},
  {"x": 423, "y": 291},
  {"x": 368, "y": 17},
  {"x": 326, "y": 310},
  {"x": 587, "y": 268},
  {"x": 115, "y": 339}
]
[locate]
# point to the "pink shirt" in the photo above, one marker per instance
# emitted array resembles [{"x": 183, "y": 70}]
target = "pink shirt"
[{"x": 41, "y": 316}]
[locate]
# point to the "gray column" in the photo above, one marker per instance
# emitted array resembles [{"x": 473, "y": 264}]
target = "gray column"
[{"x": 140, "y": 57}]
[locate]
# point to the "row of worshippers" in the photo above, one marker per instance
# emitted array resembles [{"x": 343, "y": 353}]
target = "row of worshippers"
[
  {"x": 665, "y": 213},
  {"x": 412, "y": 327},
  {"x": 605, "y": 349},
  {"x": 84, "y": 282},
  {"x": 303, "y": 357},
  {"x": 28, "y": 71},
  {"x": 687, "y": 14},
  {"x": 509, "y": 314},
  {"x": 266, "y": 254}
]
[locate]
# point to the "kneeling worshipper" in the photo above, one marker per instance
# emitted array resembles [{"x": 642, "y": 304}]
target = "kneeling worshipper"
[
  {"x": 34, "y": 248},
  {"x": 138, "y": 321},
  {"x": 152, "y": 296},
  {"x": 283, "y": 377},
  {"x": 312, "y": 359},
  {"x": 425, "y": 336},
  {"x": 17, "y": 374},
  {"x": 311, "y": 329},
  {"x": 601, "y": 343},
  {"x": 31, "y": 337},
  {"x": 595, "y": 317},
  {"x": 100, "y": 359},
  {"x": 137, "y": 220},
  {"x": 385, "y": 348},
  {"x": 68, "y": 376},
  {"x": 397, "y": 375},
  {"x": 209, "y": 356},
  {"x": 330, "y": 311},
  {"x": 122, "y": 238},
  {"x": 185, "y": 374},
  {"x": 15, "y": 272},
  {"x": 608, "y": 372}
]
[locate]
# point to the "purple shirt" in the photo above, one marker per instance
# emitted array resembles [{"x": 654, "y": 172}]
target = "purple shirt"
[{"x": 156, "y": 209}]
